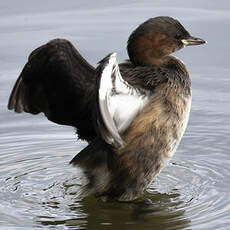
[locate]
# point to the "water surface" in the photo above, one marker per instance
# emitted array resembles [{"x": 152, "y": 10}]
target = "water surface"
[{"x": 38, "y": 187}]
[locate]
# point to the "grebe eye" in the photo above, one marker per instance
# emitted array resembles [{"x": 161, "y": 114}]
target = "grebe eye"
[{"x": 178, "y": 36}]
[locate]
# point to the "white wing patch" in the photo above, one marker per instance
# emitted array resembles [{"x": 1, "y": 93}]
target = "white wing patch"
[{"x": 119, "y": 102}]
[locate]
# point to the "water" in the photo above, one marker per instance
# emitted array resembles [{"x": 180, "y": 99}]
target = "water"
[{"x": 37, "y": 185}]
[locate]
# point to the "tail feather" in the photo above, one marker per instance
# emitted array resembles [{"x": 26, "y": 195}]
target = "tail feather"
[
  {"x": 106, "y": 176},
  {"x": 96, "y": 162}
]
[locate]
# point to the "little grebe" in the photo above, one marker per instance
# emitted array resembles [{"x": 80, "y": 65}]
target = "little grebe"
[{"x": 132, "y": 114}]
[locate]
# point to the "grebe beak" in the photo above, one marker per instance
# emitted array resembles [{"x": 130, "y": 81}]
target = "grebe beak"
[{"x": 192, "y": 41}]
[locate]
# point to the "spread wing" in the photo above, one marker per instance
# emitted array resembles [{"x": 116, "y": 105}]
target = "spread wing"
[
  {"x": 118, "y": 102},
  {"x": 59, "y": 82}
]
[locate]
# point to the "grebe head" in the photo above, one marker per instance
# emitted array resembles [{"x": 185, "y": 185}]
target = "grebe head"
[{"x": 156, "y": 38}]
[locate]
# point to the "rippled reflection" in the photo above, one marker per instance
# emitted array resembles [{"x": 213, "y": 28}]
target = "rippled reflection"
[{"x": 155, "y": 210}]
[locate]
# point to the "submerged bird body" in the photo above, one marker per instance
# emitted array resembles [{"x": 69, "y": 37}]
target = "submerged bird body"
[{"x": 133, "y": 114}]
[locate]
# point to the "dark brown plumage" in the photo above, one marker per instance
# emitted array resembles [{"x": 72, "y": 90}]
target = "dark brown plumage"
[{"x": 60, "y": 83}]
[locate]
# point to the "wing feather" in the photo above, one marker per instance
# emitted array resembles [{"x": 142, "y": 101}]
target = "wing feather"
[
  {"x": 118, "y": 101},
  {"x": 59, "y": 82},
  {"x": 105, "y": 90}
]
